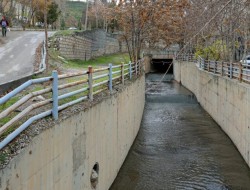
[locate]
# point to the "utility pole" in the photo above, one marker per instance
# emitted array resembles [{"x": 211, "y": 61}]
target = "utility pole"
[{"x": 86, "y": 16}]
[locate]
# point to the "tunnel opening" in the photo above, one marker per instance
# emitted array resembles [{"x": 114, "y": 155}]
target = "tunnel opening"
[{"x": 162, "y": 65}]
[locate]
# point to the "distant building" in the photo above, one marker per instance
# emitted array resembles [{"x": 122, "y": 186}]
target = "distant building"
[{"x": 14, "y": 9}]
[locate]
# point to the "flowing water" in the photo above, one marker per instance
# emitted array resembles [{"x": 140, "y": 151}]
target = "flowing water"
[{"x": 179, "y": 146}]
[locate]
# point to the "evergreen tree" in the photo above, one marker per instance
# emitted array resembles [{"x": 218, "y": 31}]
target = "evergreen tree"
[{"x": 53, "y": 13}]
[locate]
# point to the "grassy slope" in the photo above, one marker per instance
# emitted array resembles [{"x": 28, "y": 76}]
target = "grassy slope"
[{"x": 115, "y": 59}]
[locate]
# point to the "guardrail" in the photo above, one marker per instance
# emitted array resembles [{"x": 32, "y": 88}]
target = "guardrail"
[
  {"x": 42, "y": 65},
  {"x": 237, "y": 71},
  {"x": 85, "y": 85}
]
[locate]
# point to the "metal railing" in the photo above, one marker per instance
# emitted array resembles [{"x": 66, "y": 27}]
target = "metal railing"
[
  {"x": 237, "y": 71},
  {"x": 85, "y": 85},
  {"x": 42, "y": 64}
]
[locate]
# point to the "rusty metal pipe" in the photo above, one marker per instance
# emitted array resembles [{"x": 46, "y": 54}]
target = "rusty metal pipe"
[
  {"x": 22, "y": 101},
  {"x": 22, "y": 114},
  {"x": 68, "y": 75},
  {"x": 63, "y": 86}
]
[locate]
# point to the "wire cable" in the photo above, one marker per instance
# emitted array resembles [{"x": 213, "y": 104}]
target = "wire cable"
[{"x": 184, "y": 47}]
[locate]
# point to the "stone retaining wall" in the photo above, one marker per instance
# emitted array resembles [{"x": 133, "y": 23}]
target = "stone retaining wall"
[
  {"x": 75, "y": 47},
  {"x": 88, "y": 44}
]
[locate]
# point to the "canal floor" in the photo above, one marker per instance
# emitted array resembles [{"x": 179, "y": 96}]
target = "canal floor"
[{"x": 179, "y": 146}]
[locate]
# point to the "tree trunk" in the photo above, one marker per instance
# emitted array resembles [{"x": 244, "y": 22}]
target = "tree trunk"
[{"x": 46, "y": 36}]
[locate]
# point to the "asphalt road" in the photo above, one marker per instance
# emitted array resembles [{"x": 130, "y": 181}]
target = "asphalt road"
[{"x": 17, "y": 54}]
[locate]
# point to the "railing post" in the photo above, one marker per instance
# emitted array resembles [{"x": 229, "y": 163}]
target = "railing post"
[
  {"x": 139, "y": 67},
  {"x": 215, "y": 67},
  {"x": 240, "y": 72},
  {"x": 222, "y": 68},
  {"x": 122, "y": 72},
  {"x": 130, "y": 70},
  {"x": 55, "y": 95},
  {"x": 110, "y": 78},
  {"x": 90, "y": 82},
  {"x": 231, "y": 70},
  {"x": 136, "y": 68},
  {"x": 208, "y": 66}
]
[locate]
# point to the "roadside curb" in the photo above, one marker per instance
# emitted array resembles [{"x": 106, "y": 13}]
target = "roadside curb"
[{"x": 9, "y": 86}]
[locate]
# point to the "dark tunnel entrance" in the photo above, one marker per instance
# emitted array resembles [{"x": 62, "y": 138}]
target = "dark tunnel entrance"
[{"x": 162, "y": 65}]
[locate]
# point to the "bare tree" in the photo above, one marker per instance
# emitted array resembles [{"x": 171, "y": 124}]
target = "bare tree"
[
  {"x": 224, "y": 37},
  {"x": 149, "y": 22}
]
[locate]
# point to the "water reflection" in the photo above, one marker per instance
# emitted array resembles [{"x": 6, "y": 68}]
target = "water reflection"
[{"x": 179, "y": 146}]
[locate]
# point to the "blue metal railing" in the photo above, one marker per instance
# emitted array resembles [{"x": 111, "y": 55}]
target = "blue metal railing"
[
  {"x": 22, "y": 87},
  {"x": 237, "y": 71},
  {"x": 89, "y": 86}
]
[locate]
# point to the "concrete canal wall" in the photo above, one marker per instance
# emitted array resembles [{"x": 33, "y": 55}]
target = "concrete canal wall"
[
  {"x": 84, "y": 151},
  {"x": 226, "y": 100}
]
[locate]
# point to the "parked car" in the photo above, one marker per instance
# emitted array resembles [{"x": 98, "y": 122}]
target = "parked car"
[
  {"x": 246, "y": 60},
  {"x": 39, "y": 24},
  {"x": 72, "y": 28}
]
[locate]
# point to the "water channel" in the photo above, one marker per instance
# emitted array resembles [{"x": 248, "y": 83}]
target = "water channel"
[{"x": 179, "y": 146}]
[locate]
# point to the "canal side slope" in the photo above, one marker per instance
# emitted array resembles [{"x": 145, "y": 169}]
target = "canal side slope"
[
  {"x": 226, "y": 100},
  {"x": 85, "y": 149}
]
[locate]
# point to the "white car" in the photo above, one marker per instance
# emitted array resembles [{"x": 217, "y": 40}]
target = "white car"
[
  {"x": 72, "y": 28},
  {"x": 246, "y": 60}
]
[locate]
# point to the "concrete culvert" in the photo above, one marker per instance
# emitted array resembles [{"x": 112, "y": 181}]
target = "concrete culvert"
[
  {"x": 162, "y": 65},
  {"x": 94, "y": 176}
]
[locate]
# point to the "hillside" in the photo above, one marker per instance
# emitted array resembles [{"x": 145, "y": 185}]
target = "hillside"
[{"x": 74, "y": 12}]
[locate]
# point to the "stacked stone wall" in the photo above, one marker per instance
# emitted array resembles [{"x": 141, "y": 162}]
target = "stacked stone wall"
[
  {"x": 88, "y": 44},
  {"x": 75, "y": 47}
]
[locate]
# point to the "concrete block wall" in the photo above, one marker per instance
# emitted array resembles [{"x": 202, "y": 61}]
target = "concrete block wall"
[
  {"x": 226, "y": 100},
  {"x": 62, "y": 157},
  {"x": 75, "y": 47},
  {"x": 88, "y": 44}
]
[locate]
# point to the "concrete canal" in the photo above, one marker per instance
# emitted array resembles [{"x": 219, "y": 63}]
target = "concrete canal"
[{"x": 179, "y": 146}]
